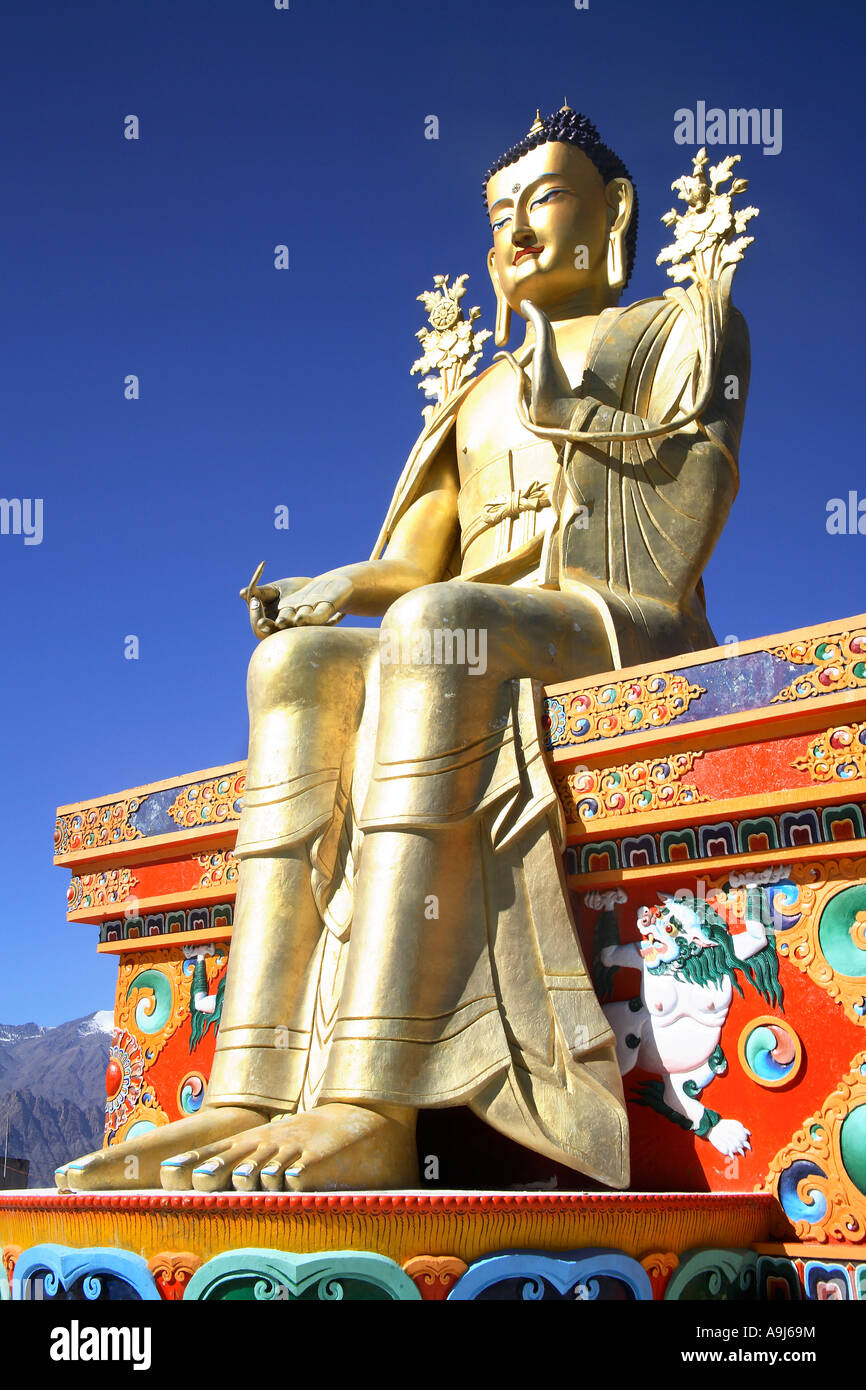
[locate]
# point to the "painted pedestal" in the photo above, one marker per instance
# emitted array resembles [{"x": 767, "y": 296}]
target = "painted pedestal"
[{"x": 716, "y": 832}]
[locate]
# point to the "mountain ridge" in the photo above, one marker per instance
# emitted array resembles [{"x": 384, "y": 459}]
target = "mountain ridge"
[{"x": 52, "y": 1090}]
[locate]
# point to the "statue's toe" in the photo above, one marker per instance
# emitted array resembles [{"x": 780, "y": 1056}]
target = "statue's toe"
[
  {"x": 175, "y": 1173},
  {"x": 273, "y": 1176},
  {"x": 212, "y": 1171},
  {"x": 246, "y": 1175},
  {"x": 83, "y": 1174}
]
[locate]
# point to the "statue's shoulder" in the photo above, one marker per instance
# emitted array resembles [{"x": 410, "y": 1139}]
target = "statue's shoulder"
[{"x": 671, "y": 319}]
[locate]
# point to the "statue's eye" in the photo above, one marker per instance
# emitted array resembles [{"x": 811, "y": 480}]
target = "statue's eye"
[
  {"x": 502, "y": 222},
  {"x": 546, "y": 198}
]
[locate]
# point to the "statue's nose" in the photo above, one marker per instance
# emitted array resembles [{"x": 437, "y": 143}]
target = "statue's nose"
[{"x": 521, "y": 235}]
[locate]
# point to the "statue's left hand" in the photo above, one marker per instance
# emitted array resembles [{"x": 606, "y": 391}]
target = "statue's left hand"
[{"x": 317, "y": 602}]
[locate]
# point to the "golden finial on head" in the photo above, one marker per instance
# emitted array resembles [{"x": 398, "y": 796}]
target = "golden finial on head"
[
  {"x": 565, "y": 106},
  {"x": 537, "y": 124}
]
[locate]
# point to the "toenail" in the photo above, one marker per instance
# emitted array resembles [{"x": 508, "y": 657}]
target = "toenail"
[
  {"x": 210, "y": 1167},
  {"x": 243, "y": 1170},
  {"x": 271, "y": 1169},
  {"x": 294, "y": 1172},
  {"x": 176, "y": 1161}
]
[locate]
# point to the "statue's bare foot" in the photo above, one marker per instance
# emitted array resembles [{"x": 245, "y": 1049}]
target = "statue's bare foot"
[
  {"x": 136, "y": 1163},
  {"x": 334, "y": 1148}
]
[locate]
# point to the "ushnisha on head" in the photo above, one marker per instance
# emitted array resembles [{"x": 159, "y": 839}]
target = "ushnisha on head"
[{"x": 563, "y": 211}]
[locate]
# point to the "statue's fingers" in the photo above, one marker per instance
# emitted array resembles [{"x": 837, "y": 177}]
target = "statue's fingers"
[{"x": 319, "y": 614}]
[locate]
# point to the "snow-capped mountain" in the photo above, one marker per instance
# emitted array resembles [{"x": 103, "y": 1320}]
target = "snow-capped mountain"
[{"x": 52, "y": 1090}]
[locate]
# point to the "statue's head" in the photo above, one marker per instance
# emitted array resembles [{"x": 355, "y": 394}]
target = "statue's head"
[{"x": 563, "y": 211}]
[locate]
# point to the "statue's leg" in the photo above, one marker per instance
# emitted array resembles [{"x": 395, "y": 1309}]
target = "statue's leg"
[
  {"x": 464, "y": 982},
  {"x": 306, "y": 694},
  {"x": 306, "y": 691}
]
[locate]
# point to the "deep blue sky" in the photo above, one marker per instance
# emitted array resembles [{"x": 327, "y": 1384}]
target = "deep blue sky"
[{"x": 258, "y": 387}]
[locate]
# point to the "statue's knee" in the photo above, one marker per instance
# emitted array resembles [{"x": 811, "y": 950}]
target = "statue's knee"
[
  {"x": 288, "y": 663},
  {"x": 431, "y": 608}
]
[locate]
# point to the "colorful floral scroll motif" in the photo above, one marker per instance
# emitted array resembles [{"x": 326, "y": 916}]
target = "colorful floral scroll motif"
[
  {"x": 209, "y": 803},
  {"x": 124, "y": 1080},
  {"x": 95, "y": 827},
  {"x": 219, "y": 867},
  {"x": 839, "y": 661},
  {"x": 820, "y": 1176},
  {"x": 100, "y": 890},
  {"x": 603, "y": 793},
  {"x": 838, "y": 755},
  {"x": 622, "y": 707},
  {"x": 163, "y": 1011}
]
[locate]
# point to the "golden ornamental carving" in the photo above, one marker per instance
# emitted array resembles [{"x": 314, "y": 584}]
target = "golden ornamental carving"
[
  {"x": 839, "y": 660},
  {"x": 617, "y": 708},
  {"x": 827, "y": 938},
  {"x": 654, "y": 784},
  {"x": 819, "y": 1177},
  {"x": 837, "y": 755},
  {"x": 219, "y": 867},
  {"x": 96, "y": 827},
  {"x": 209, "y": 803},
  {"x": 105, "y": 889},
  {"x": 450, "y": 346}
]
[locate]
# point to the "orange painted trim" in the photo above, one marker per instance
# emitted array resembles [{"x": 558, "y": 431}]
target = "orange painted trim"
[
  {"x": 703, "y": 812},
  {"x": 153, "y": 850},
  {"x": 160, "y": 902},
  {"x": 465, "y": 1225},
  {"x": 185, "y": 779},
  {"x": 675, "y": 664},
  {"x": 784, "y": 720},
  {"x": 682, "y": 867},
  {"x": 163, "y": 942}
]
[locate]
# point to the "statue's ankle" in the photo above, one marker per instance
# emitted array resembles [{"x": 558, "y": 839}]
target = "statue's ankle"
[{"x": 404, "y": 1115}]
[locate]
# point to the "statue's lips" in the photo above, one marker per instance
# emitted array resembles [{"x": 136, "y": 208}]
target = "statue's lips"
[{"x": 528, "y": 251}]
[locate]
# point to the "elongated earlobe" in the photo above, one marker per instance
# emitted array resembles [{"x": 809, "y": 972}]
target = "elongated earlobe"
[
  {"x": 620, "y": 198},
  {"x": 615, "y": 261},
  {"x": 502, "y": 329}
]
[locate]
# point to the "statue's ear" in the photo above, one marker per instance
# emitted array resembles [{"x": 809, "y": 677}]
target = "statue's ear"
[
  {"x": 619, "y": 195},
  {"x": 503, "y": 308}
]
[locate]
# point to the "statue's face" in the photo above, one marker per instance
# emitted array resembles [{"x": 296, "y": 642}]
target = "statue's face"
[{"x": 543, "y": 210}]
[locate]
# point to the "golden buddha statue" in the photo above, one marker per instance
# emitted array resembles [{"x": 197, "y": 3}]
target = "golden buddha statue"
[{"x": 403, "y": 936}]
